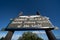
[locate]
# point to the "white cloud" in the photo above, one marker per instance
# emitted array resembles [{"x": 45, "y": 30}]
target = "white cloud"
[
  {"x": 2, "y": 35},
  {"x": 15, "y": 37},
  {"x": 39, "y": 32}
]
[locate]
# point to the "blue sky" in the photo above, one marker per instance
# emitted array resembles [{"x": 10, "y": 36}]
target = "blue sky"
[{"x": 11, "y": 8}]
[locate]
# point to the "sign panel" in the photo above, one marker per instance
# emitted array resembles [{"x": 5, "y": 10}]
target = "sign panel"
[{"x": 34, "y": 21}]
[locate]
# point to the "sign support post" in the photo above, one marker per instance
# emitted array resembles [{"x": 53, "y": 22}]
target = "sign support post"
[
  {"x": 50, "y": 35},
  {"x": 9, "y": 35}
]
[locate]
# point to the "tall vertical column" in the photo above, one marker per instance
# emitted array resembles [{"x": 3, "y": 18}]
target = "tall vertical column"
[
  {"x": 9, "y": 35},
  {"x": 50, "y": 35}
]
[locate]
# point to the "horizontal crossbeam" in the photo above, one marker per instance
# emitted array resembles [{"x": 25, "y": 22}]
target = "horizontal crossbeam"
[{"x": 24, "y": 29}]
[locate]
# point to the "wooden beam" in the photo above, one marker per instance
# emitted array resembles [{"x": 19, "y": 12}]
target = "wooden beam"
[
  {"x": 50, "y": 35},
  {"x": 9, "y": 35}
]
